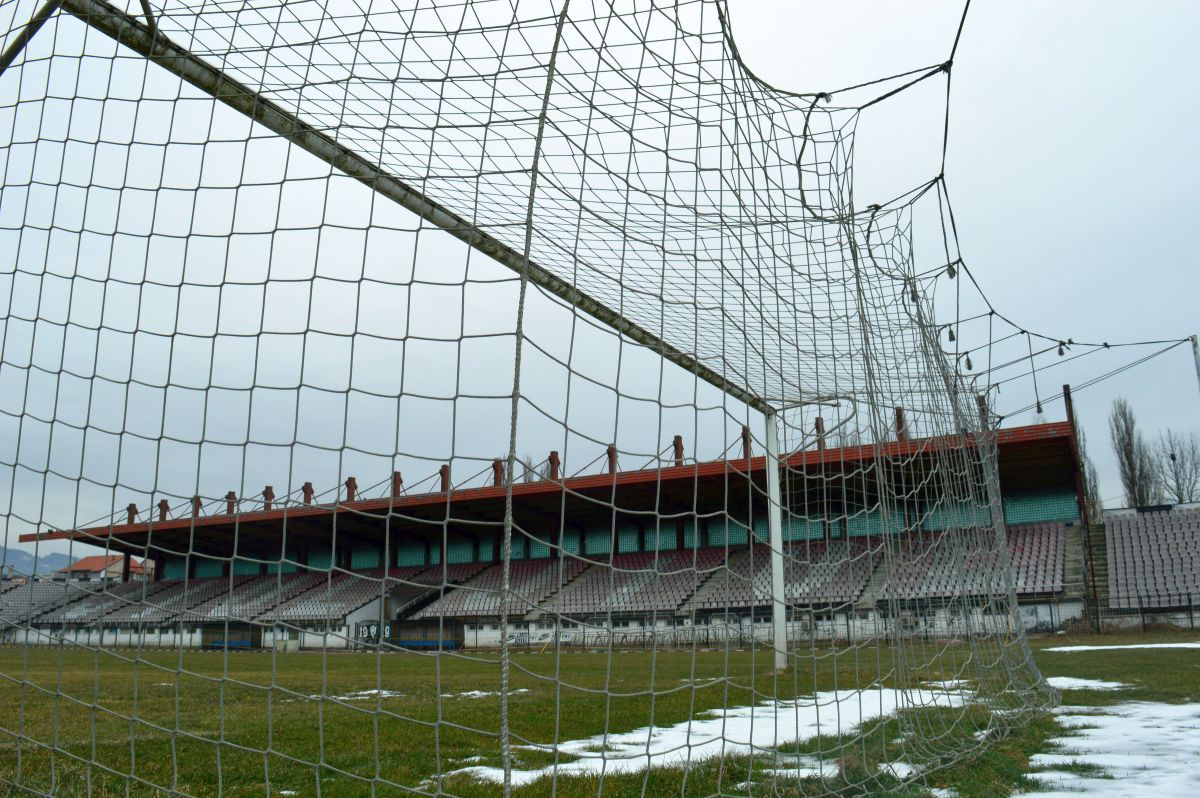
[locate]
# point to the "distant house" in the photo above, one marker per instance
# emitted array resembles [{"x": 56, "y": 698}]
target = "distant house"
[{"x": 103, "y": 568}]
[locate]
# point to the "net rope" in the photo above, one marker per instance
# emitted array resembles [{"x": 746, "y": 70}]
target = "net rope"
[{"x": 252, "y": 254}]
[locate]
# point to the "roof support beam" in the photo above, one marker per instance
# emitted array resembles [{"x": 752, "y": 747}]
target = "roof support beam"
[{"x": 154, "y": 45}]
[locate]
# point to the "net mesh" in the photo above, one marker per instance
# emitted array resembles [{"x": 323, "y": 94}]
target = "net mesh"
[{"x": 521, "y": 381}]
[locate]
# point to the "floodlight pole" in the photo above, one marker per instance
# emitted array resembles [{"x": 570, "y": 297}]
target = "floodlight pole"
[{"x": 775, "y": 529}]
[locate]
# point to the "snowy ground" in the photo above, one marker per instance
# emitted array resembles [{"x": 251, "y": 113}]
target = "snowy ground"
[
  {"x": 1142, "y": 749},
  {"x": 1064, "y": 649},
  {"x": 1124, "y": 750},
  {"x": 738, "y": 730},
  {"x": 1071, "y": 683},
  {"x": 1129, "y": 750}
]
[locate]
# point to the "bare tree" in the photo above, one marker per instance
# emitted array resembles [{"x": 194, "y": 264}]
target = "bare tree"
[
  {"x": 525, "y": 469},
  {"x": 1178, "y": 457},
  {"x": 1135, "y": 460},
  {"x": 1093, "y": 506},
  {"x": 533, "y": 472}
]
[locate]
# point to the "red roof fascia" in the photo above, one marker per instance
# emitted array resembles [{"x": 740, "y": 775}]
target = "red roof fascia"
[
  {"x": 573, "y": 484},
  {"x": 588, "y": 483}
]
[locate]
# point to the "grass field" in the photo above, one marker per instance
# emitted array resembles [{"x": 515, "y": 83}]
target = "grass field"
[{"x": 205, "y": 723}]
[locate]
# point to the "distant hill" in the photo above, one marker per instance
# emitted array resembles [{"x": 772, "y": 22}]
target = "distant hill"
[{"x": 23, "y": 561}]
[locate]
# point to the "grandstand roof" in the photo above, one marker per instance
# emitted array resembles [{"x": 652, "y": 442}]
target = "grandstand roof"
[
  {"x": 99, "y": 563},
  {"x": 1031, "y": 456}
]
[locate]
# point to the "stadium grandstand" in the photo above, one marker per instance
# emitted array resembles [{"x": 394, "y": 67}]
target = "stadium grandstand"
[
  {"x": 1153, "y": 561},
  {"x": 291, "y": 291},
  {"x": 683, "y": 553}
]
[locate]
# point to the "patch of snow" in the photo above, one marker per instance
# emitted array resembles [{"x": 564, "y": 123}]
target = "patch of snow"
[
  {"x": 942, "y": 792},
  {"x": 361, "y": 695},
  {"x": 482, "y": 693},
  {"x": 792, "y": 774},
  {"x": 950, "y": 684},
  {"x": 758, "y": 729},
  {"x": 1144, "y": 748},
  {"x": 1071, "y": 683},
  {"x": 1123, "y": 648},
  {"x": 1056, "y": 780},
  {"x": 901, "y": 770},
  {"x": 288, "y": 792},
  {"x": 802, "y": 766}
]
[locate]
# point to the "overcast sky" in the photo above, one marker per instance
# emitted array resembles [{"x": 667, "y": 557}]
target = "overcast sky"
[{"x": 1072, "y": 167}]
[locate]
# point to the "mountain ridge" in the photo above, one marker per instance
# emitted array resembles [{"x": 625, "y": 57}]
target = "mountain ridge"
[{"x": 24, "y": 563}]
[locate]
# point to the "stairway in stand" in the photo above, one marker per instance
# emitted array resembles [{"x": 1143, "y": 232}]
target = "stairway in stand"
[
  {"x": 1076, "y": 579},
  {"x": 537, "y": 613},
  {"x": 874, "y": 589}
]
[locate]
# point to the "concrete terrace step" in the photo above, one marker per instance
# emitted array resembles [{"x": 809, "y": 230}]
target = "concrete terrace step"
[
  {"x": 1075, "y": 574},
  {"x": 686, "y": 607},
  {"x": 537, "y": 613},
  {"x": 879, "y": 578},
  {"x": 1099, "y": 554},
  {"x": 712, "y": 584}
]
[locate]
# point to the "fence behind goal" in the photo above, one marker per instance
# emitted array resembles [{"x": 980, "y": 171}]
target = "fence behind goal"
[{"x": 452, "y": 399}]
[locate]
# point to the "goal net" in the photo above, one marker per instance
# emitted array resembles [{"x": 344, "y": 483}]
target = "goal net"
[{"x": 472, "y": 397}]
